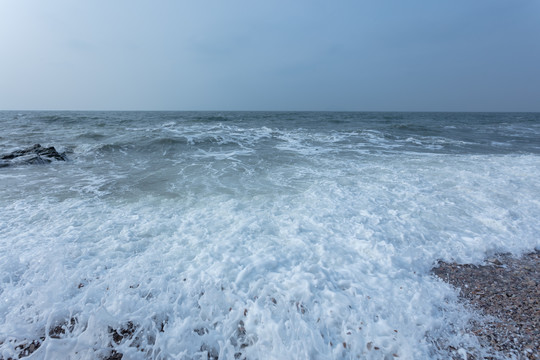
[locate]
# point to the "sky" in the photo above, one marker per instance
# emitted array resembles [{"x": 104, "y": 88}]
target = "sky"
[{"x": 340, "y": 55}]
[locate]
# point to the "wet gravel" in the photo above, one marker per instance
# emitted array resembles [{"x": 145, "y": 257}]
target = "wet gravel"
[{"x": 506, "y": 291}]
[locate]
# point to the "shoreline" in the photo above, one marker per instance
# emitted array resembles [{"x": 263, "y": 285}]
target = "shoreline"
[{"x": 505, "y": 291}]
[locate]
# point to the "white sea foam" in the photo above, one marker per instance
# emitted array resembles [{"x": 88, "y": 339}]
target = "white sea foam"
[{"x": 280, "y": 253}]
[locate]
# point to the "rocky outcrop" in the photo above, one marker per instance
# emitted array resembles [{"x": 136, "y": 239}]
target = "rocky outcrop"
[{"x": 35, "y": 154}]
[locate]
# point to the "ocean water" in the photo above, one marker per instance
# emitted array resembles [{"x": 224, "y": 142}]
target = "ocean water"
[{"x": 256, "y": 235}]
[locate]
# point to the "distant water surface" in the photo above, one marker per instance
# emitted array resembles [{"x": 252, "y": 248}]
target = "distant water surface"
[{"x": 256, "y": 234}]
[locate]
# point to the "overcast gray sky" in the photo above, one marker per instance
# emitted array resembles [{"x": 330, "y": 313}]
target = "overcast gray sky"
[{"x": 455, "y": 55}]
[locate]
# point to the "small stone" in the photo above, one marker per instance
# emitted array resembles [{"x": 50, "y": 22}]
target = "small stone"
[{"x": 495, "y": 261}]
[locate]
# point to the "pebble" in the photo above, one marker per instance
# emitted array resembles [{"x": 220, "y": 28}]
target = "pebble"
[{"x": 507, "y": 289}]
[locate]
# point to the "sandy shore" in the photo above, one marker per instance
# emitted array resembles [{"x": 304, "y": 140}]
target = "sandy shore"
[{"x": 506, "y": 291}]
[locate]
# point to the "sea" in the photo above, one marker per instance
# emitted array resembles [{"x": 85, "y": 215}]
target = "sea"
[{"x": 256, "y": 235}]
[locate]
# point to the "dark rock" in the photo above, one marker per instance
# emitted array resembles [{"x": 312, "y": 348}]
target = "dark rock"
[
  {"x": 124, "y": 332},
  {"x": 115, "y": 356},
  {"x": 58, "y": 330},
  {"x": 26, "y": 349},
  {"x": 35, "y": 154}
]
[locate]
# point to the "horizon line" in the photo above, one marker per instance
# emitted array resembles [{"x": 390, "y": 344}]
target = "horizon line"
[{"x": 318, "y": 111}]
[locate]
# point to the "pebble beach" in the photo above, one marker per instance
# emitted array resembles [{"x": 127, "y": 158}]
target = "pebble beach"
[{"x": 505, "y": 291}]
